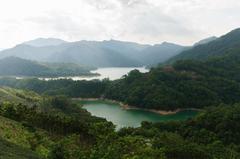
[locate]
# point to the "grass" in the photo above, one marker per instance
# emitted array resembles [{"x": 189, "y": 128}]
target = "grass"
[
  {"x": 16, "y": 95},
  {"x": 28, "y": 138},
  {"x": 11, "y": 151}
]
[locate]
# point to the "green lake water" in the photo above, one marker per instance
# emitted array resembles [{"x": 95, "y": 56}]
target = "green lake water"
[{"x": 130, "y": 118}]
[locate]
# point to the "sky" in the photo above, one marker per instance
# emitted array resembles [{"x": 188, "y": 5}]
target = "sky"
[{"x": 143, "y": 21}]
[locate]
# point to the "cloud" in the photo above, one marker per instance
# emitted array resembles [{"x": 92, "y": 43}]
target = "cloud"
[{"x": 145, "y": 21}]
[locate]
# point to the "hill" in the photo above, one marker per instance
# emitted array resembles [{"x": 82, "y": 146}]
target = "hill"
[
  {"x": 218, "y": 47},
  {"x": 14, "y": 66}
]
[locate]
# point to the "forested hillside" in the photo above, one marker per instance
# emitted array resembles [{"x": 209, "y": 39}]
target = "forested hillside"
[
  {"x": 56, "y": 128},
  {"x": 217, "y": 47},
  {"x": 14, "y": 66},
  {"x": 186, "y": 84}
]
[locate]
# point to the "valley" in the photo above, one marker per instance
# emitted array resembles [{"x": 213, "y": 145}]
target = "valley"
[{"x": 41, "y": 118}]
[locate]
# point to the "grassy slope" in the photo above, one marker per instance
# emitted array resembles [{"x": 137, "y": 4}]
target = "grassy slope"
[
  {"x": 17, "y": 136},
  {"x": 11, "y": 151},
  {"x": 22, "y": 136},
  {"x": 14, "y": 138},
  {"x": 16, "y": 95}
]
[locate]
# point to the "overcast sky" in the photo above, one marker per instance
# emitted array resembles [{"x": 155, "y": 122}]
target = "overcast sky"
[{"x": 143, "y": 21}]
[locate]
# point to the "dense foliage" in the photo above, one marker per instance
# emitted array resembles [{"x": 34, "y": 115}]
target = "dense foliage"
[
  {"x": 186, "y": 84},
  {"x": 84, "y": 89},
  {"x": 57, "y": 128},
  {"x": 217, "y": 47},
  {"x": 10, "y": 151}
]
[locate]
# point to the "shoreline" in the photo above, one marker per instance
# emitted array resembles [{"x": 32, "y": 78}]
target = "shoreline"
[
  {"x": 49, "y": 77},
  {"x": 128, "y": 107}
]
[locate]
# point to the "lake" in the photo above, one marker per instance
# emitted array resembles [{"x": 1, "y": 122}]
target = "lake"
[
  {"x": 130, "y": 118},
  {"x": 112, "y": 73}
]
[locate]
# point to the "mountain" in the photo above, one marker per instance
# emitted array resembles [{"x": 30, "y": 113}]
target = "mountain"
[
  {"x": 40, "y": 42},
  {"x": 160, "y": 52},
  {"x": 205, "y": 41},
  {"x": 100, "y": 54},
  {"x": 218, "y": 47},
  {"x": 14, "y": 66},
  {"x": 97, "y": 53}
]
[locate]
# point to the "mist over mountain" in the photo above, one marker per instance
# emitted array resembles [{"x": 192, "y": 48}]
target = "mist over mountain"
[
  {"x": 205, "y": 41},
  {"x": 31, "y": 52},
  {"x": 40, "y": 42},
  {"x": 160, "y": 52},
  {"x": 110, "y": 53}
]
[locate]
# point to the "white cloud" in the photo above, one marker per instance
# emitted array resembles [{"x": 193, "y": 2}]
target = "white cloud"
[{"x": 145, "y": 21}]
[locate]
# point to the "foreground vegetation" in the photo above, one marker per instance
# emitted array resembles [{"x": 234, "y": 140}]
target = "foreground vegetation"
[{"x": 56, "y": 128}]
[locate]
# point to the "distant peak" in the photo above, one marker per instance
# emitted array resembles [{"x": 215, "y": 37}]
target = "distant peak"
[
  {"x": 40, "y": 42},
  {"x": 206, "y": 40},
  {"x": 167, "y": 43}
]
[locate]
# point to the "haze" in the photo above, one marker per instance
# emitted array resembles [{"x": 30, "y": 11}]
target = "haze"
[{"x": 142, "y": 21}]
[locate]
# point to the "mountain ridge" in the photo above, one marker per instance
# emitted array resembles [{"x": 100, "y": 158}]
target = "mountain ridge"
[{"x": 95, "y": 53}]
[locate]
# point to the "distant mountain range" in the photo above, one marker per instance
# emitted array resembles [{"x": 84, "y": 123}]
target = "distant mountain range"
[{"x": 110, "y": 53}]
